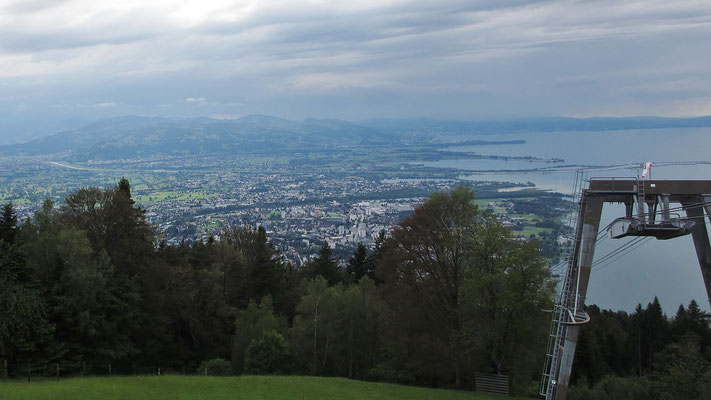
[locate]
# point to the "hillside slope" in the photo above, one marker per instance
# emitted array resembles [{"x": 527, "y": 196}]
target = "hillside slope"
[{"x": 134, "y": 137}]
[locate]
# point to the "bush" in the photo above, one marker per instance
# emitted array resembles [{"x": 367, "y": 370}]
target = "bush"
[
  {"x": 215, "y": 367},
  {"x": 612, "y": 387},
  {"x": 267, "y": 355}
]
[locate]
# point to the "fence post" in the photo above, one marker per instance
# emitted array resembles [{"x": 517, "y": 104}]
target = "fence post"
[
  {"x": 82, "y": 369},
  {"x": 57, "y": 371},
  {"x": 158, "y": 371},
  {"x": 109, "y": 369},
  {"x": 134, "y": 369},
  {"x": 4, "y": 373},
  {"x": 29, "y": 368}
]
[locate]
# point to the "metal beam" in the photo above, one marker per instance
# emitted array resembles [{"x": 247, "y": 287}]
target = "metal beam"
[
  {"x": 592, "y": 209},
  {"x": 695, "y": 212},
  {"x": 651, "y": 187},
  {"x": 707, "y": 206},
  {"x": 695, "y": 196}
]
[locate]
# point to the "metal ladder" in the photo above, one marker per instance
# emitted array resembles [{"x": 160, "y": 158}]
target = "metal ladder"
[
  {"x": 641, "y": 201},
  {"x": 561, "y": 312}
]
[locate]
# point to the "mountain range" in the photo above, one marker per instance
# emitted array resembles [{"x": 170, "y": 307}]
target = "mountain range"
[
  {"x": 135, "y": 137},
  {"x": 139, "y": 137}
]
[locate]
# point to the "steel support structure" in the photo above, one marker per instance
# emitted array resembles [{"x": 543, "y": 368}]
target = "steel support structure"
[{"x": 652, "y": 195}]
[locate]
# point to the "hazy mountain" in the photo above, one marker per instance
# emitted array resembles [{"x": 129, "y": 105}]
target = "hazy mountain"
[
  {"x": 132, "y": 136},
  {"x": 535, "y": 124},
  {"x": 15, "y": 130}
]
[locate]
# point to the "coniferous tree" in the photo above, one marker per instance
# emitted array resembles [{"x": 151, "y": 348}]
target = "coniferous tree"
[
  {"x": 87, "y": 257},
  {"x": 655, "y": 328},
  {"x": 113, "y": 224},
  {"x": 324, "y": 265},
  {"x": 93, "y": 309},
  {"x": 692, "y": 321},
  {"x": 261, "y": 271},
  {"x": 357, "y": 264},
  {"x": 452, "y": 280},
  {"x": 25, "y": 333},
  {"x": 372, "y": 260},
  {"x": 8, "y": 224}
]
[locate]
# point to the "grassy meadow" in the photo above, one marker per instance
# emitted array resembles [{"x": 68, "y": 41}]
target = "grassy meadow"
[{"x": 219, "y": 388}]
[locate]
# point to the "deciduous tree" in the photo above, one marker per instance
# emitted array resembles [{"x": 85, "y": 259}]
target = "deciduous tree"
[{"x": 477, "y": 292}]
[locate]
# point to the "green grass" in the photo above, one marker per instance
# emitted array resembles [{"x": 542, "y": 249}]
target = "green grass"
[
  {"x": 218, "y": 388},
  {"x": 528, "y": 217},
  {"x": 527, "y": 230},
  {"x": 481, "y": 203},
  {"x": 157, "y": 197}
]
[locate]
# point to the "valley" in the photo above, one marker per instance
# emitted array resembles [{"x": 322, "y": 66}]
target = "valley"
[{"x": 342, "y": 192}]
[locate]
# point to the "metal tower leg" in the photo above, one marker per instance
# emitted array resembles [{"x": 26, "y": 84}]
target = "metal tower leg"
[
  {"x": 591, "y": 223},
  {"x": 707, "y": 206},
  {"x": 701, "y": 240}
]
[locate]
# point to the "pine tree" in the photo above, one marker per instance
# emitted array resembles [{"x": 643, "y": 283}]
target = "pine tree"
[
  {"x": 8, "y": 224},
  {"x": 124, "y": 187},
  {"x": 25, "y": 333},
  {"x": 372, "y": 261},
  {"x": 324, "y": 265},
  {"x": 254, "y": 267},
  {"x": 358, "y": 263},
  {"x": 113, "y": 224},
  {"x": 691, "y": 320}
]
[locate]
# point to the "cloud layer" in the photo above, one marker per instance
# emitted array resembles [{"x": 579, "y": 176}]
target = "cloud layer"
[{"x": 355, "y": 60}]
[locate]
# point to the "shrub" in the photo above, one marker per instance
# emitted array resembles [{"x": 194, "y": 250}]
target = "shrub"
[
  {"x": 612, "y": 387},
  {"x": 215, "y": 367},
  {"x": 267, "y": 355}
]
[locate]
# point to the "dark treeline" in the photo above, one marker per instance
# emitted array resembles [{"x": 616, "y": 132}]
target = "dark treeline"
[
  {"x": 447, "y": 293},
  {"x": 644, "y": 355}
]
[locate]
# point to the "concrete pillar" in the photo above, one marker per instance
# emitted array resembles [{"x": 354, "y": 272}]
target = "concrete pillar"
[
  {"x": 707, "y": 206},
  {"x": 701, "y": 240},
  {"x": 590, "y": 220},
  {"x": 641, "y": 203},
  {"x": 652, "y": 210},
  {"x": 665, "y": 208}
]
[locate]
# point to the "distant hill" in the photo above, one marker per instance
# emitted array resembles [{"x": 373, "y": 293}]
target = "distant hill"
[
  {"x": 133, "y": 136},
  {"x": 140, "y": 137},
  {"x": 553, "y": 124}
]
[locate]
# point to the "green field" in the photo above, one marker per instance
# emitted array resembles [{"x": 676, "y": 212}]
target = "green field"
[
  {"x": 217, "y": 388},
  {"x": 527, "y": 230}
]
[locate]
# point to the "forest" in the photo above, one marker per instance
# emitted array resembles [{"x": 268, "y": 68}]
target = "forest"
[
  {"x": 86, "y": 288},
  {"x": 644, "y": 355}
]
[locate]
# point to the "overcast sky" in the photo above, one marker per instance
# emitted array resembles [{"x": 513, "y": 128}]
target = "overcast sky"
[{"x": 355, "y": 59}]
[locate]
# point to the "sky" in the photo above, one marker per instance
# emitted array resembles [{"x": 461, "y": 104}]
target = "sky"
[{"x": 63, "y": 61}]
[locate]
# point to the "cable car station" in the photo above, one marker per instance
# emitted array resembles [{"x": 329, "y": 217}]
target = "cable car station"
[{"x": 653, "y": 209}]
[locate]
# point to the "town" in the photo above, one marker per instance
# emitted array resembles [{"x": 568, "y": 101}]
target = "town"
[{"x": 301, "y": 203}]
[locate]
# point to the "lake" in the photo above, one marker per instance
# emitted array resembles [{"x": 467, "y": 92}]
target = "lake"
[{"x": 667, "y": 269}]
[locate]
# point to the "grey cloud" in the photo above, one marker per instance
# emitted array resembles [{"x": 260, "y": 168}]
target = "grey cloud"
[
  {"x": 453, "y": 58},
  {"x": 30, "y": 6},
  {"x": 38, "y": 42},
  {"x": 24, "y": 35}
]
